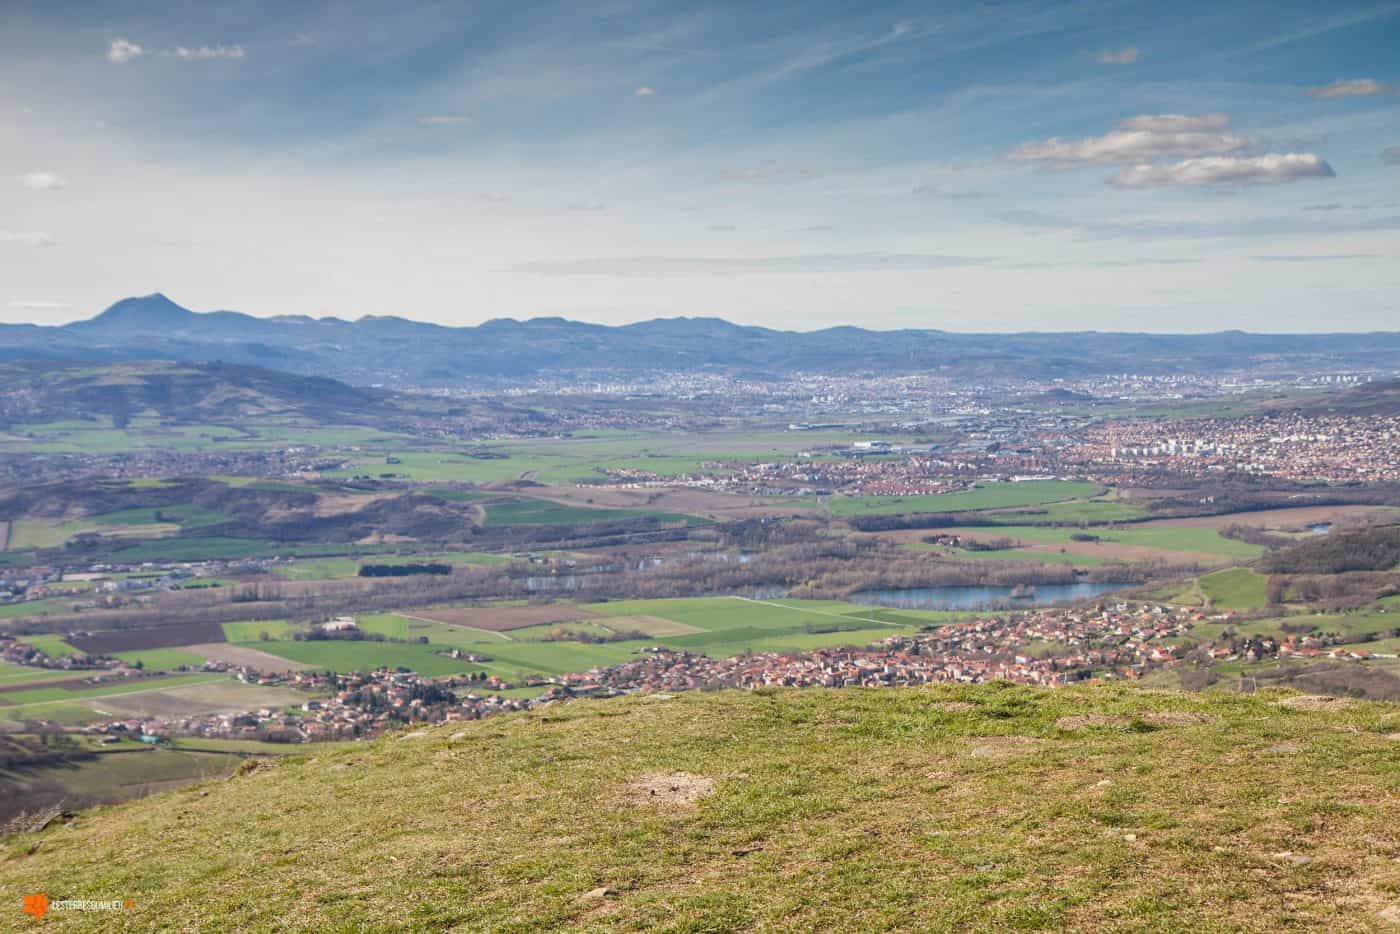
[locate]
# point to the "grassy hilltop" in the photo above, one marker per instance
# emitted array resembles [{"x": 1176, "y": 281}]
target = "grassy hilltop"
[{"x": 962, "y": 807}]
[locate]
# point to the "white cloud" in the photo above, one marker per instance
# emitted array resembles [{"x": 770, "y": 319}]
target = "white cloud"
[
  {"x": 644, "y": 91},
  {"x": 205, "y": 52},
  {"x": 121, "y": 51},
  {"x": 1354, "y": 87},
  {"x": 1227, "y": 171},
  {"x": 443, "y": 120},
  {"x": 42, "y": 181},
  {"x": 1136, "y": 140},
  {"x": 1126, "y": 56},
  {"x": 1176, "y": 123},
  {"x": 27, "y": 239}
]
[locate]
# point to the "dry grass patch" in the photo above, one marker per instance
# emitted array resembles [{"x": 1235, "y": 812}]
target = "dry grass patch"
[{"x": 1315, "y": 702}]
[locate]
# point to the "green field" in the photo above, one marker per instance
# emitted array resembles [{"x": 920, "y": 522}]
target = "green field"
[
  {"x": 1009, "y": 554},
  {"x": 340, "y": 568},
  {"x": 18, "y": 674},
  {"x": 347, "y": 655},
  {"x": 1167, "y": 538},
  {"x": 1235, "y": 589},
  {"x": 568, "y": 460},
  {"x": 51, "y": 645},
  {"x": 252, "y": 630},
  {"x": 989, "y": 496}
]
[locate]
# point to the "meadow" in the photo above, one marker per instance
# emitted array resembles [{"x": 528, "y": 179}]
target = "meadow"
[{"x": 982, "y": 807}]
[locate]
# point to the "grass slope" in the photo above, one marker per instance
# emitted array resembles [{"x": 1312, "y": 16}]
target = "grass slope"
[{"x": 955, "y": 808}]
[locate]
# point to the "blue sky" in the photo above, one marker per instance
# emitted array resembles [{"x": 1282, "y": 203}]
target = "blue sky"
[{"x": 973, "y": 167}]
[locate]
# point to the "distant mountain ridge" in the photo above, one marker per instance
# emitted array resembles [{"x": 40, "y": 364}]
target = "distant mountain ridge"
[{"x": 398, "y": 351}]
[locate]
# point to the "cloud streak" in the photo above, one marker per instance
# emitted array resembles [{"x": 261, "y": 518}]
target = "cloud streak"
[
  {"x": 26, "y": 239},
  {"x": 1231, "y": 171},
  {"x": 1128, "y": 56},
  {"x": 1137, "y": 139},
  {"x": 804, "y": 264},
  {"x": 207, "y": 52},
  {"x": 1353, "y": 87},
  {"x": 42, "y": 181}
]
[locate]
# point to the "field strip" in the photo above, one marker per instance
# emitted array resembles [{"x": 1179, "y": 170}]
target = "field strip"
[
  {"x": 96, "y": 697},
  {"x": 439, "y": 622},
  {"x": 5, "y": 537},
  {"x": 801, "y": 609}
]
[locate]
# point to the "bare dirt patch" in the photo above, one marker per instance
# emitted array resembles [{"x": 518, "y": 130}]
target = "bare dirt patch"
[
  {"x": 252, "y": 658},
  {"x": 154, "y": 637},
  {"x": 197, "y": 700},
  {"x": 1289, "y": 518},
  {"x": 670, "y": 789},
  {"x": 504, "y": 618}
]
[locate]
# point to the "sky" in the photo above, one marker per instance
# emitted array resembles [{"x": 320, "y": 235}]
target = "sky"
[{"x": 1122, "y": 166}]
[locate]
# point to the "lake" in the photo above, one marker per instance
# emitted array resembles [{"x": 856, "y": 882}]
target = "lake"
[{"x": 975, "y": 598}]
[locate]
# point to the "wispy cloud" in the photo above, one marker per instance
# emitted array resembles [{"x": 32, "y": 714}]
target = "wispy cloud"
[
  {"x": 1226, "y": 171},
  {"x": 1354, "y": 87},
  {"x": 26, "y": 239},
  {"x": 444, "y": 120},
  {"x": 666, "y": 266},
  {"x": 1315, "y": 257},
  {"x": 644, "y": 91},
  {"x": 206, "y": 52},
  {"x": 1136, "y": 140},
  {"x": 1128, "y": 56},
  {"x": 121, "y": 51},
  {"x": 42, "y": 181}
]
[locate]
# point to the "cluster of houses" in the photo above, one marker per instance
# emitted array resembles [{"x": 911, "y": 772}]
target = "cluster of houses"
[{"x": 1337, "y": 448}]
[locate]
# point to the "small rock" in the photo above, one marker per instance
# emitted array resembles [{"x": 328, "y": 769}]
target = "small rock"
[
  {"x": 459, "y": 735},
  {"x": 1130, "y": 837},
  {"x": 419, "y": 735},
  {"x": 1295, "y": 859},
  {"x": 602, "y": 891}
]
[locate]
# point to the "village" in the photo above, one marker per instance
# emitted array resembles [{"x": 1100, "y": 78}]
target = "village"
[{"x": 1051, "y": 647}]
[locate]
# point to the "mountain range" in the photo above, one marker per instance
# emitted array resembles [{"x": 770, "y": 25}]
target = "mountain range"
[{"x": 397, "y": 351}]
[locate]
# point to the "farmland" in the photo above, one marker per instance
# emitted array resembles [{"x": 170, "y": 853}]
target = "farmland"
[
  {"x": 523, "y": 640},
  {"x": 991, "y": 496}
]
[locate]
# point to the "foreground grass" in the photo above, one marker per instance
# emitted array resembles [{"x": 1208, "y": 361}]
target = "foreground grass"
[{"x": 963, "y": 808}]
